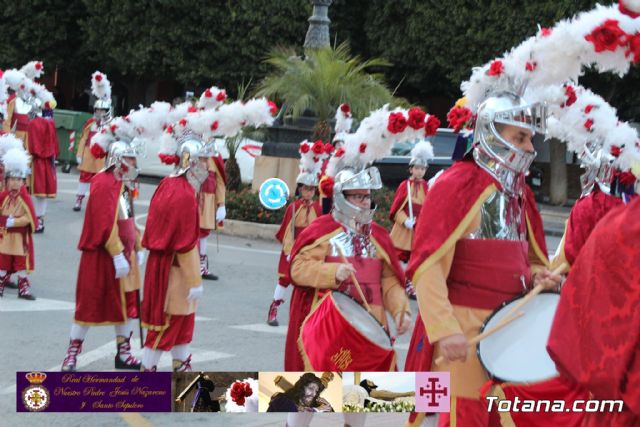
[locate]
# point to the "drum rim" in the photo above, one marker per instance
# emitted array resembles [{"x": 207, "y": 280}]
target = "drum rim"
[
  {"x": 365, "y": 310},
  {"x": 484, "y": 325}
]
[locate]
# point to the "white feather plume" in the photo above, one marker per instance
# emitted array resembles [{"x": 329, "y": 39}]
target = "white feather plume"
[
  {"x": 33, "y": 70},
  {"x": 9, "y": 141},
  {"x": 343, "y": 121},
  {"x": 211, "y": 98},
  {"x": 371, "y": 141},
  {"x": 100, "y": 86},
  {"x": 423, "y": 150},
  {"x": 16, "y": 159},
  {"x": 15, "y": 79},
  {"x": 553, "y": 56}
]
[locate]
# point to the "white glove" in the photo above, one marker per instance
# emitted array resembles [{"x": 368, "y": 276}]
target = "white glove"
[
  {"x": 140, "y": 256},
  {"x": 78, "y": 159},
  {"x": 221, "y": 214},
  {"x": 10, "y": 221},
  {"x": 409, "y": 223},
  {"x": 121, "y": 265},
  {"x": 195, "y": 293}
]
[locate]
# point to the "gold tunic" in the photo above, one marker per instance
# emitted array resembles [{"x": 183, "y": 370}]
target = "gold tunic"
[{"x": 401, "y": 236}]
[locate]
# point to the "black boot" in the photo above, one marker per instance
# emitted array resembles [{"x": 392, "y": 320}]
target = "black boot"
[
  {"x": 204, "y": 269},
  {"x": 40, "y": 226},
  {"x": 78, "y": 205},
  {"x": 24, "y": 289}
]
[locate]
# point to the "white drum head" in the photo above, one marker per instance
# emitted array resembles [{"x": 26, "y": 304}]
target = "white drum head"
[
  {"x": 361, "y": 320},
  {"x": 517, "y": 353}
]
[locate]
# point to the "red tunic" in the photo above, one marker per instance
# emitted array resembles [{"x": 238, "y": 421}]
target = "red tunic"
[
  {"x": 172, "y": 226},
  {"x": 595, "y": 339},
  {"x": 302, "y": 297},
  {"x": 283, "y": 264},
  {"x": 27, "y": 232},
  {"x": 100, "y": 299},
  {"x": 44, "y": 148},
  {"x": 400, "y": 199},
  {"x": 583, "y": 218}
]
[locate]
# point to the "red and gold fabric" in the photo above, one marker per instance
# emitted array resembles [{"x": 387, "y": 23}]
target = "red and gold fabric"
[
  {"x": 594, "y": 338},
  {"x": 179, "y": 332},
  {"x": 312, "y": 276},
  {"x": 101, "y": 299},
  {"x": 212, "y": 194},
  {"x": 583, "y": 218},
  {"x": 44, "y": 149},
  {"x": 17, "y": 240},
  {"x": 399, "y": 213},
  {"x": 173, "y": 267},
  {"x": 444, "y": 267},
  {"x": 89, "y": 164},
  {"x": 16, "y": 122},
  {"x": 305, "y": 214}
]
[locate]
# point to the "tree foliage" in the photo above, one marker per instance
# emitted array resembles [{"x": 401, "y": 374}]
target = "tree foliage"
[
  {"x": 323, "y": 80},
  {"x": 46, "y": 30}
]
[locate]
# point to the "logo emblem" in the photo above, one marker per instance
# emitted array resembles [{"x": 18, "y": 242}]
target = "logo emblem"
[
  {"x": 273, "y": 193},
  {"x": 433, "y": 392},
  {"x": 36, "y": 397}
]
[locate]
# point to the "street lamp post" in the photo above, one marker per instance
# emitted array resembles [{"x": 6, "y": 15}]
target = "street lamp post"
[{"x": 318, "y": 32}]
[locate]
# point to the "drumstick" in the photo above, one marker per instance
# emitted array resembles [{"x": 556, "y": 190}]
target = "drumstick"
[
  {"x": 354, "y": 280},
  {"x": 475, "y": 340},
  {"x": 535, "y": 291}
]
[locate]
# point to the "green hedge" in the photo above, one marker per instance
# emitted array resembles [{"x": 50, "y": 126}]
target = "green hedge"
[{"x": 244, "y": 205}]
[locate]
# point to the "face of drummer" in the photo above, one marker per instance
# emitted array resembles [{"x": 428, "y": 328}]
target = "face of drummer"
[
  {"x": 359, "y": 198},
  {"x": 310, "y": 393},
  {"x": 522, "y": 138},
  {"x": 307, "y": 192}
]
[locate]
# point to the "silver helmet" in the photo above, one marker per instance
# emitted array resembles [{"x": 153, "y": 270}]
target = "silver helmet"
[
  {"x": 346, "y": 213},
  {"x": 599, "y": 168},
  {"x": 190, "y": 150},
  {"x": 118, "y": 159},
  {"x": 499, "y": 157},
  {"x": 103, "y": 105}
]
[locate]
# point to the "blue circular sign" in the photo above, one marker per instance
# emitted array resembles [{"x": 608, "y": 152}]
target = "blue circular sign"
[{"x": 273, "y": 193}]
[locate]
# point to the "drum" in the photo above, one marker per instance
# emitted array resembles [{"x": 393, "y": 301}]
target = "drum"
[
  {"x": 340, "y": 335},
  {"x": 518, "y": 353}
]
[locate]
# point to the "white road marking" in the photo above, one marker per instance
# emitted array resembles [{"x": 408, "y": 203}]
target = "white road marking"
[
  {"x": 263, "y": 327},
  {"x": 11, "y": 303}
]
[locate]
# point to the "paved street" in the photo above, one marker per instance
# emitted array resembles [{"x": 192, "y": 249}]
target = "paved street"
[{"x": 231, "y": 333}]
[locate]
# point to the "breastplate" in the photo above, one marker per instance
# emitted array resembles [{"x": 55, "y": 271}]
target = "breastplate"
[
  {"x": 501, "y": 218},
  {"x": 125, "y": 205},
  {"x": 353, "y": 244}
]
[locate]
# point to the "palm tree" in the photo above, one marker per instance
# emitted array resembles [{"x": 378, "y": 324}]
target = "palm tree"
[{"x": 322, "y": 81}]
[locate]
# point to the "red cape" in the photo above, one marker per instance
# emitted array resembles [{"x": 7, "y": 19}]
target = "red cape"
[
  {"x": 286, "y": 220},
  {"x": 27, "y": 235},
  {"x": 98, "y": 293},
  {"x": 595, "y": 338},
  {"x": 302, "y": 297},
  {"x": 401, "y": 197},
  {"x": 583, "y": 218},
  {"x": 43, "y": 139},
  {"x": 172, "y": 226},
  {"x": 220, "y": 165}
]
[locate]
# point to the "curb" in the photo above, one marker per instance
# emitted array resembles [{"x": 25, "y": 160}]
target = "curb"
[{"x": 250, "y": 230}]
